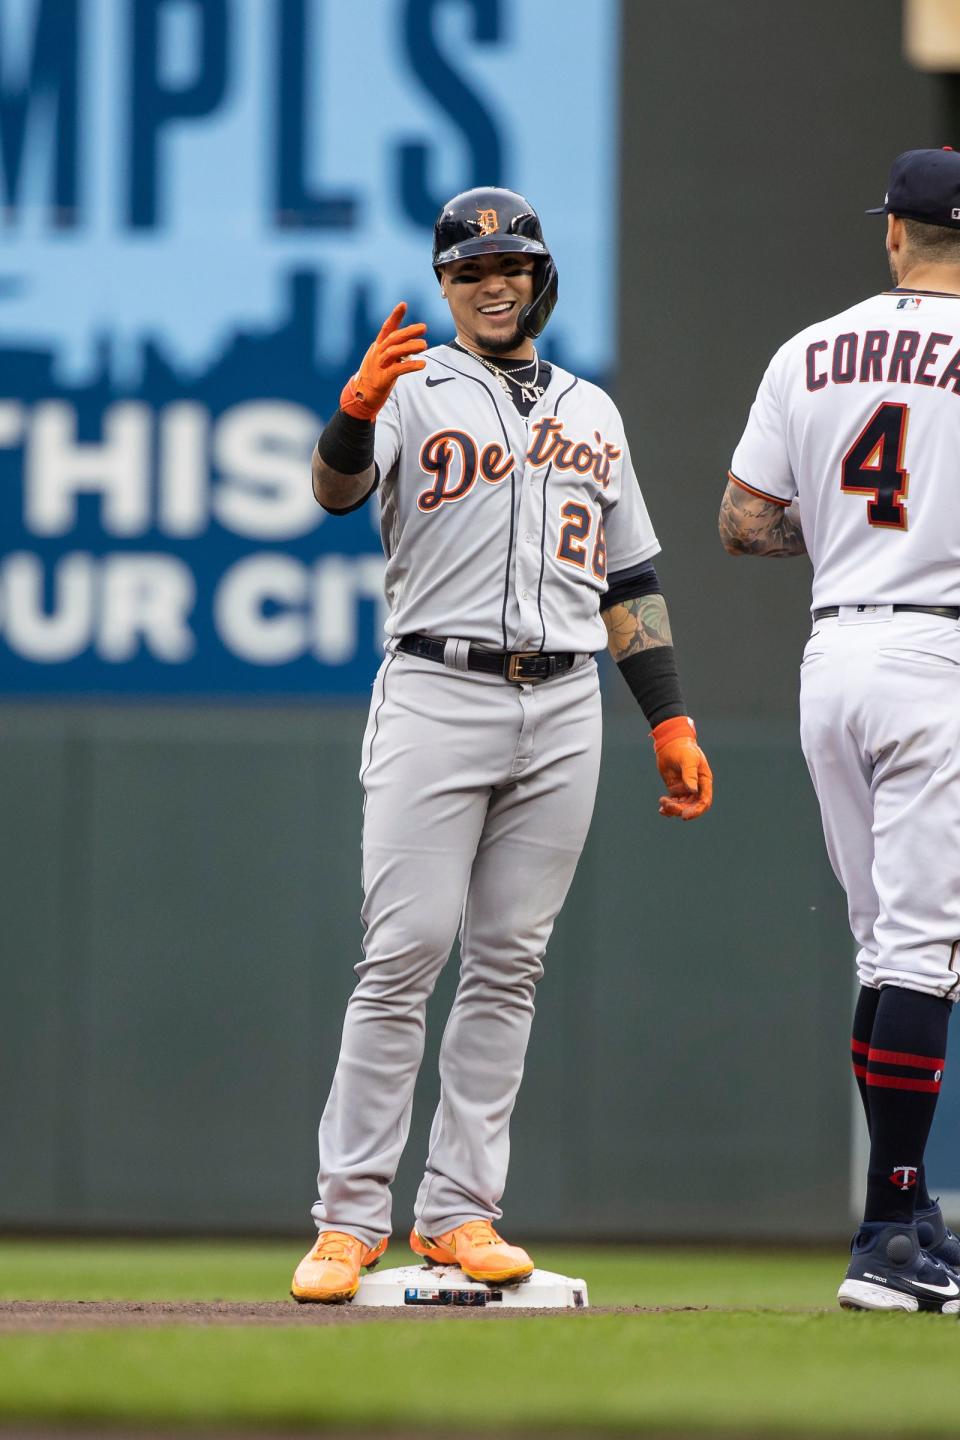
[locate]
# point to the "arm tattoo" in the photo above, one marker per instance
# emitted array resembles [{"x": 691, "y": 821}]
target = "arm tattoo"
[
  {"x": 752, "y": 526},
  {"x": 337, "y": 491},
  {"x": 637, "y": 624}
]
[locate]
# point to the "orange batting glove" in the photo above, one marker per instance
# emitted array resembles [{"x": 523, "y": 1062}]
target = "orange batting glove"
[
  {"x": 366, "y": 392},
  {"x": 683, "y": 767}
]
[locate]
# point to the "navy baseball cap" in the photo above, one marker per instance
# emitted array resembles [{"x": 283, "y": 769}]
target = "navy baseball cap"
[{"x": 924, "y": 185}]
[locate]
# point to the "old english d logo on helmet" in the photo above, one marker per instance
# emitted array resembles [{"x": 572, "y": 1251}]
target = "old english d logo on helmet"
[{"x": 491, "y": 221}]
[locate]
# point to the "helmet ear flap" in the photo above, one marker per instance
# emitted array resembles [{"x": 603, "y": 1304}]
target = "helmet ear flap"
[{"x": 546, "y": 286}]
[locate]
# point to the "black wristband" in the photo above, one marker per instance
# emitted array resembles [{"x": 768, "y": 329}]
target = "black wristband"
[
  {"x": 630, "y": 585},
  {"x": 346, "y": 444},
  {"x": 653, "y": 678}
]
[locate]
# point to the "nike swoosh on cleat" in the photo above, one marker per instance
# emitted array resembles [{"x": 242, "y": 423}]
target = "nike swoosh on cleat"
[
  {"x": 444, "y": 381},
  {"x": 947, "y": 1291}
]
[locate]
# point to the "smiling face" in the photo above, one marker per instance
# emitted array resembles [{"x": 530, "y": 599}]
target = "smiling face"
[{"x": 485, "y": 294}]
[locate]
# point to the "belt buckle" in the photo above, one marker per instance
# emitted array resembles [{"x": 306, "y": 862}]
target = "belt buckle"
[{"x": 515, "y": 662}]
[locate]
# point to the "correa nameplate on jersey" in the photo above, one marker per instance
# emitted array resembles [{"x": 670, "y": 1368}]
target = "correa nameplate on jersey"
[{"x": 865, "y": 614}]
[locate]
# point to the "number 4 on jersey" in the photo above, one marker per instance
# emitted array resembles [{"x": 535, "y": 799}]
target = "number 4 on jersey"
[{"x": 874, "y": 466}]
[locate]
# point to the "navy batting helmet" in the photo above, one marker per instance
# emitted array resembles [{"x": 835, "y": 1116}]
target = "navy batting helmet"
[{"x": 490, "y": 221}]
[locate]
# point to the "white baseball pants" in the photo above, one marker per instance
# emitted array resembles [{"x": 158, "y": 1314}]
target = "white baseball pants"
[
  {"x": 478, "y": 798},
  {"x": 880, "y": 728}
]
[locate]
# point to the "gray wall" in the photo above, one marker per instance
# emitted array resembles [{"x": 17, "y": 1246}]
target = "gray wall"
[
  {"x": 179, "y": 905},
  {"x": 180, "y": 921},
  {"x": 755, "y": 135}
]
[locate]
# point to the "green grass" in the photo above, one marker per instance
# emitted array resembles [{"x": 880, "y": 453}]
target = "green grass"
[
  {"x": 695, "y": 1371},
  {"x": 692, "y": 1373},
  {"x": 247, "y": 1270}
]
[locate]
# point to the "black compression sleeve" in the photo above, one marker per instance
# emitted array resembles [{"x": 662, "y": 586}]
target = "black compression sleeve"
[
  {"x": 653, "y": 678},
  {"x": 629, "y": 584},
  {"x": 346, "y": 444}
]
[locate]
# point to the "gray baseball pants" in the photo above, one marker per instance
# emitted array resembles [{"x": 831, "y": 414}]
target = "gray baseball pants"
[{"x": 478, "y": 799}]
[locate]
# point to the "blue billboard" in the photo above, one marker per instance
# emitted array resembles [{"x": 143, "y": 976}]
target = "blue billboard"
[{"x": 208, "y": 206}]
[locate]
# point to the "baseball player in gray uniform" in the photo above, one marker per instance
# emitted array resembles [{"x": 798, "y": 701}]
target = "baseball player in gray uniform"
[
  {"x": 518, "y": 544},
  {"x": 854, "y": 423}
]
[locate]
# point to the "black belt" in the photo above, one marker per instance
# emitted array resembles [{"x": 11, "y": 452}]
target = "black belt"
[
  {"x": 949, "y": 612},
  {"x": 520, "y": 666}
]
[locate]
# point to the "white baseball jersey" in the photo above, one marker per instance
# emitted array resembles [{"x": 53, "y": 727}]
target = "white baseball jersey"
[
  {"x": 500, "y": 528},
  {"x": 859, "y": 417}
]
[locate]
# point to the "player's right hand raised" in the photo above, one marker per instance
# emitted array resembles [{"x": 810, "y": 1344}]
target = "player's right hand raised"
[{"x": 388, "y": 358}]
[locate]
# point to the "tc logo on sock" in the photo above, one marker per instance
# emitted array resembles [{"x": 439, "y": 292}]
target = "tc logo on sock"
[{"x": 904, "y": 1176}]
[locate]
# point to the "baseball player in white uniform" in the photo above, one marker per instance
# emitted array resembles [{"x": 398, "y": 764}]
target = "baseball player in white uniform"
[
  {"x": 850, "y": 455},
  {"x": 518, "y": 544}
]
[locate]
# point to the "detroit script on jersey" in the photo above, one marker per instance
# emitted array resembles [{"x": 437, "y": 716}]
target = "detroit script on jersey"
[
  {"x": 454, "y": 458},
  {"x": 859, "y": 418},
  {"x": 500, "y": 528}
]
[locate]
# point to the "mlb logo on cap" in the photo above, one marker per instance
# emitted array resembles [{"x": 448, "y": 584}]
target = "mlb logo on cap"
[{"x": 925, "y": 186}]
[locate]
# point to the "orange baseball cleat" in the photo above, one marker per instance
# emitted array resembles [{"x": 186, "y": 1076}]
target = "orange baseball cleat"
[
  {"x": 330, "y": 1273},
  {"x": 478, "y": 1250}
]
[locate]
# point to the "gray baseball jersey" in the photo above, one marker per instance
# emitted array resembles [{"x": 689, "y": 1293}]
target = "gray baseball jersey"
[{"x": 498, "y": 528}]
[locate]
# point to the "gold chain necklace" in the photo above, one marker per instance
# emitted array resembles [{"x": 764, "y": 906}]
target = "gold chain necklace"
[{"x": 530, "y": 391}]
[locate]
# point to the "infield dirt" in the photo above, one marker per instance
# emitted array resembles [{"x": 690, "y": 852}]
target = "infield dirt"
[{"x": 50, "y": 1315}]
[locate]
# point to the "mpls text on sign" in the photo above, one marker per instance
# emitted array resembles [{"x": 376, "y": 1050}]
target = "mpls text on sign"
[{"x": 207, "y": 208}]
